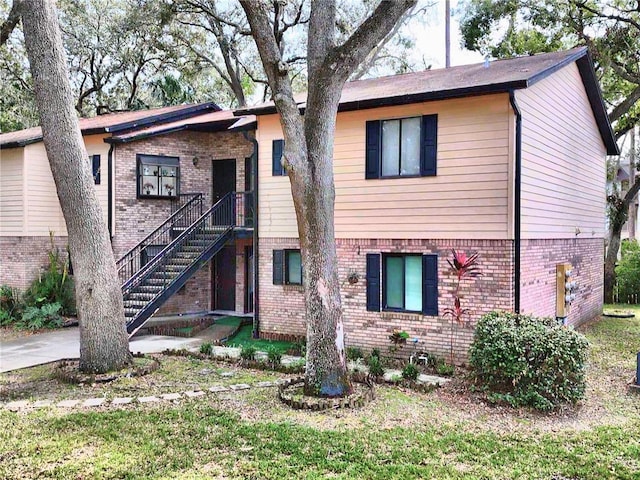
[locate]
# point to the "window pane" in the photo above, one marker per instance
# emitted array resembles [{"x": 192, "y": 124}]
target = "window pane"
[
  {"x": 168, "y": 171},
  {"x": 390, "y": 147},
  {"x": 149, "y": 185},
  {"x": 393, "y": 283},
  {"x": 410, "y": 161},
  {"x": 294, "y": 267},
  {"x": 413, "y": 283},
  {"x": 168, "y": 186}
]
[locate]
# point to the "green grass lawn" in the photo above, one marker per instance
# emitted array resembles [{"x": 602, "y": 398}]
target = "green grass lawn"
[
  {"x": 444, "y": 434},
  {"x": 244, "y": 337}
]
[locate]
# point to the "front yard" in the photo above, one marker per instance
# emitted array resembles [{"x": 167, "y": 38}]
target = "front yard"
[{"x": 448, "y": 433}]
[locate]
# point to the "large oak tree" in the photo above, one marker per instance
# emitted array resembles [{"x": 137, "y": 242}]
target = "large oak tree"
[
  {"x": 104, "y": 343},
  {"x": 308, "y": 158}
]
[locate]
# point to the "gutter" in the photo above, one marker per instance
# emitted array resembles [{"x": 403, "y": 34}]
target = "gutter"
[
  {"x": 256, "y": 263},
  {"x": 517, "y": 202},
  {"x": 110, "y": 191}
]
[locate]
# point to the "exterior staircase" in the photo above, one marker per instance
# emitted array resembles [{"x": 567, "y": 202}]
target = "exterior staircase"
[{"x": 162, "y": 263}]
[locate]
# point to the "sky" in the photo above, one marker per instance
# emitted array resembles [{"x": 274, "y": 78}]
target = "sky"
[{"x": 430, "y": 39}]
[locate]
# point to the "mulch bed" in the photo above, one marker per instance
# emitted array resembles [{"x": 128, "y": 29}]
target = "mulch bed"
[{"x": 67, "y": 370}]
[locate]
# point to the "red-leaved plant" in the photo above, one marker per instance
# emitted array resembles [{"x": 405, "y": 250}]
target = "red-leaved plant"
[{"x": 463, "y": 267}]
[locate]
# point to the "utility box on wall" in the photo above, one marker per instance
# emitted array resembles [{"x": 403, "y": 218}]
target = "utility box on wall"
[{"x": 565, "y": 287}]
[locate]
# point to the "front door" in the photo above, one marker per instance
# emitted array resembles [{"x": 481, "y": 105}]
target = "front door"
[
  {"x": 223, "y": 173},
  {"x": 223, "y": 288}
]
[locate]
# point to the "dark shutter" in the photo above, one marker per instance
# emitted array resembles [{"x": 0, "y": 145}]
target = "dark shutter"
[
  {"x": 373, "y": 282},
  {"x": 278, "y": 267},
  {"x": 372, "y": 169},
  {"x": 430, "y": 285},
  {"x": 276, "y": 156},
  {"x": 95, "y": 162},
  {"x": 429, "y": 146}
]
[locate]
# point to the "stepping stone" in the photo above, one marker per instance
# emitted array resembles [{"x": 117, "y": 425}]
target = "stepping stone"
[
  {"x": 433, "y": 379},
  {"x": 227, "y": 374},
  {"x": 265, "y": 384},
  {"x": 150, "y": 399},
  {"x": 390, "y": 375},
  {"x": 218, "y": 389},
  {"x": 171, "y": 396},
  {"x": 93, "y": 402},
  {"x": 42, "y": 403},
  {"x": 239, "y": 386},
  {"x": 13, "y": 406},
  {"x": 206, "y": 371},
  {"x": 67, "y": 403},
  {"x": 121, "y": 400},
  {"x": 192, "y": 394}
]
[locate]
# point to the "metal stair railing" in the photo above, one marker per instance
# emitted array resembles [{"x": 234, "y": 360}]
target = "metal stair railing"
[
  {"x": 185, "y": 212},
  {"x": 206, "y": 236}
]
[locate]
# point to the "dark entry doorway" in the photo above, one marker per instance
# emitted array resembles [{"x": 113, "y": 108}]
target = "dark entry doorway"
[
  {"x": 223, "y": 279},
  {"x": 223, "y": 173}
]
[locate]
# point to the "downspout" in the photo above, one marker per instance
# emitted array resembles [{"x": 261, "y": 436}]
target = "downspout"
[
  {"x": 517, "y": 201},
  {"x": 110, "y": 191},
  {"x": 256, "y": 263}
]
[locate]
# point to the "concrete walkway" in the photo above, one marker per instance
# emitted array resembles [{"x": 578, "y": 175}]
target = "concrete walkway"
[{"x": 65, "y": 343}]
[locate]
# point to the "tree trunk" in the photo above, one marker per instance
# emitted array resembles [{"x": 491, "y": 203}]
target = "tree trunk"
[
  {"x": 633, "y": 167},
  {"x": 618, "y": 219},
  {"x": 104, "y": 344},
  {"x": 308, "y": 158}
]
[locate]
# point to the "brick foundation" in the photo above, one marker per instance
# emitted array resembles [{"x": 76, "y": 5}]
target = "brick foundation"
[
  {"x": 282, "y": 306},
  {"x": 538, "y": 279},
  {"x": 23, "y": 258}
]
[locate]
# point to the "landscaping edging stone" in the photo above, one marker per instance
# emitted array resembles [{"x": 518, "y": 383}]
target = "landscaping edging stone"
[
  {"x": 72, "y": 375},
  {"x": 19, "y": 405},
  {"x": 355, "y": 400}
]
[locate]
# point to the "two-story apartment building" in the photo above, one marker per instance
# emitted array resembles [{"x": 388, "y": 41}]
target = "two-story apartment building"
[{"x": 506, "y": 159}]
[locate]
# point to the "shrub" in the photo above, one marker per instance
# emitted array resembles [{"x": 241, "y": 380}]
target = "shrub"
[
  {"x": 45, "y": 316},
  {"x": 54, "y": 285},
  {"x": 375, "y": 366},
  {"x": 531, "y": 361},
  {"x": 445, "y": 369},
  {"x": 248, "y": 352},
  {"x": 274, "y": 356},
  {"x": 206, "y": 348},
  {"x": 10, "y": 305},
  {"x": 354, "y": 353},
  {"x": 628, "y": 270},
  {"x": 375, "y": 352},
  {"x": 299, "y": 348},
  {"x": 410, "y": 372}
]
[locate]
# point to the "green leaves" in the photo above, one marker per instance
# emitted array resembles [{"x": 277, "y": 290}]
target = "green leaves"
[{"x": 529, "y": 361}]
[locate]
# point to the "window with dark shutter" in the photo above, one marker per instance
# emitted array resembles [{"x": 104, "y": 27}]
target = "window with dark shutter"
[
  {"x": 403, "y": 147},
  {"x": 276, "y": 158},
  {"x": 95, "y": 165},
  {"x": 409, "y": 283},
  {"x": 373, "y": 282}
]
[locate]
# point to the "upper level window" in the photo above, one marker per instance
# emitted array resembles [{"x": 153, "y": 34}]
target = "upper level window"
[
  {"x": 95, "y": 167},
  {"x": 404, "y": 147},
  {"x": 401, "y": 147},
  {"x": 158, "y": 176}
]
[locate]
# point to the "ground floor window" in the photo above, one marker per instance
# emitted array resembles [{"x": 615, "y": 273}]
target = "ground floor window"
[
  {"x": 402, "y": 286},
  {"x": 409, "y": 282},
  {"x": 287, "y": 267}
]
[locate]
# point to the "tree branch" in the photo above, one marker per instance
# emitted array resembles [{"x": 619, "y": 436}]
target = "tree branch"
[
  {"x": 354, "y": 50},
  {"x": 10, "y": 23},
  {"x": 626, "y": 105}
]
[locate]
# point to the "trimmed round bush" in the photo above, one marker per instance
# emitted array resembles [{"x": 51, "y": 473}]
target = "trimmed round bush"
[{"x": 529, "y": 361}]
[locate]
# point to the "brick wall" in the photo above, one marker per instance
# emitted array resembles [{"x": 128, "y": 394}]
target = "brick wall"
[
  {"x": 135, "y": 218},
  {"x": 23, "y": 258},
  {"x": 538, "y": 279},
  {"x": 282, "y": 306}
]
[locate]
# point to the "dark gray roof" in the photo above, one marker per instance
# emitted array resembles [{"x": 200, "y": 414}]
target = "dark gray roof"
[{"x": 467, "y": 80}]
